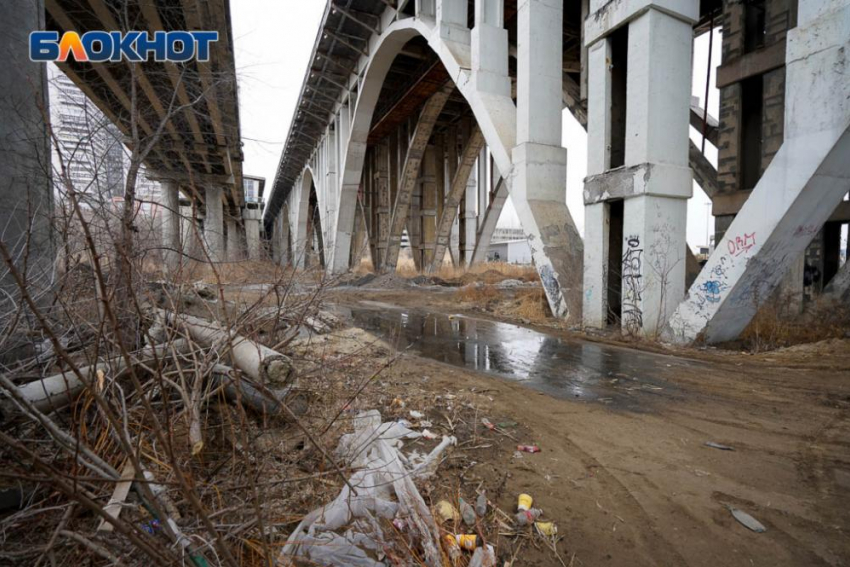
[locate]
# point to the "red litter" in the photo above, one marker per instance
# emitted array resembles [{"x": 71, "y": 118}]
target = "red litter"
[{"x": 528, "y": 448}]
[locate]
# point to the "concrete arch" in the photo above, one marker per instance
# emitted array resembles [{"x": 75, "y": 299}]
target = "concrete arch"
[
  {"x": 495, "y": 115},
  {"x": 299, "y": 212}
]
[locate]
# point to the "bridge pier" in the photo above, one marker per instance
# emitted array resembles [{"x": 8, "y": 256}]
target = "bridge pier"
[
  {"x": 235, "y": 248},
  {"x": 251, "y": 220},
  {"x": 170, "y": 210},
  {"x": 214, "y": 222},
  {"x": 538, "y": 181},
  {"x": 804, "y": 183},
  {"x": 638, "y": 175},
  {"x": 25, "y": 191}
]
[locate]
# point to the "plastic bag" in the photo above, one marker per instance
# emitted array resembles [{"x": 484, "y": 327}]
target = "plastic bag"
[{"x": 382, "y": 487}]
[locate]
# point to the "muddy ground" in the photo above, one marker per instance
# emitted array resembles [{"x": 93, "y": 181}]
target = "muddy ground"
[{"x": 637, "y": 487}]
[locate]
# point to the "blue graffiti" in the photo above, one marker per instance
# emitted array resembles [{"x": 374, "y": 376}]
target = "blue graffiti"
[{"x": 712, "y": 289}]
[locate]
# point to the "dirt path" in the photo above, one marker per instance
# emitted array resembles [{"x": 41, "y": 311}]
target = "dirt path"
[{"x": 641, "y": 488}]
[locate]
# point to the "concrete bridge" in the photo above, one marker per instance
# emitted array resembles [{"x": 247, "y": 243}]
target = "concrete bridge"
[
  {"x": 421, "y": 117},
  {"x": 187, "y": 114}
]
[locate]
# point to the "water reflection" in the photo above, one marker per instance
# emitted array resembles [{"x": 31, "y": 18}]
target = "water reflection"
[{"x": 561, "y": 368}]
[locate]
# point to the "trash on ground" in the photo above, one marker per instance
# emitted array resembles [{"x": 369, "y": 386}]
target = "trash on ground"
[
  {"x": 468, "y": 541},
  {"x": 467, "y": 513},
  {"x": 483, "y": 557},
  {"x": 481, "y": 504},
  {"x": 714, "y": 445},
  {"x": 381, "y": 486},
  {"x": 528, "y": 517},
  {"x": 447, "y": 511},
  {"x": 524, "y": 502},
  {"x": 747, "y": 520},
  {"x": 546, "y": 528},
  {"x": 416, "y": 414},
  {"x": 528, "y": 448}
]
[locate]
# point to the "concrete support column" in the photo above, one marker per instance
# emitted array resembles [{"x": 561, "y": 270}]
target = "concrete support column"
[
  {"x": 429, "y": 206},
  {"x": 286, "y": 245},
  {"x": 251, "y": 220},
  {"x": 235, "y": 251},
  {"x": 214, "y": 223},
  {"x": 383, "y": 206},
  {"x": 651, "y": 174},
  {"x": 483, "y": 188},
  {"x": 596, "y": 249},
  {"x": 426, "y": 9},
  {"x": 469, "y": 218},
  {"x": 170, "y": 210},
  {"x": 654, "y": 226},
  {"x": 187, "y": 228},
  {"x": 25, "y": 189},
  {"x": 538, "y": 188},
  {"x": 490, "y": 48},
  {"x": 453, "y": 27}
]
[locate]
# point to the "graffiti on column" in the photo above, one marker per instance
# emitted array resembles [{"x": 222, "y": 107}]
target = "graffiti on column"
[
  {"x": 711, "y": 291},
  {"x": 741, "y": 244},
  {"x": 632, "y": 315}
]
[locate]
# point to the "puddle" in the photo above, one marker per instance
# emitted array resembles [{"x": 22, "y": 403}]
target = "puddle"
[{"x": 561, "y": 368}]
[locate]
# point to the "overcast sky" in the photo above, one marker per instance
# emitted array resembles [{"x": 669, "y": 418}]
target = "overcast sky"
[{"x": 274, "y": 40}]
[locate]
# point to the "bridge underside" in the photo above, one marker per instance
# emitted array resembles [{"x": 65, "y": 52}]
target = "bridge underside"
[{"x": 417, "y": 120}]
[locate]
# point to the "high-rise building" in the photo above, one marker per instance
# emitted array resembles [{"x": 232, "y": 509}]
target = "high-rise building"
[{"x": 90, "y": 147}]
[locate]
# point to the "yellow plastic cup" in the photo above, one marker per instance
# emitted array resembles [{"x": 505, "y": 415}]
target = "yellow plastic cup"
[
  {"x": 546, "y": 528},
  {"x": 524, "y": 502}
]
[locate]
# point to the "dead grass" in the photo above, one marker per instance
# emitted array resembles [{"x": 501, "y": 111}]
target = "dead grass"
[
  {"x": 478, "y": 294},
  {"x": 777, "y": 325}
]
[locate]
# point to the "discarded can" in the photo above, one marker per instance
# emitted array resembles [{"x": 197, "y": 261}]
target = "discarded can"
[
  {"x": 488, "y": 424},
  {"x": 546, "y": 528},
  {"x": 481, "y": 504},
  {"x": 524, "y": 502},
  {"x": 151, "y": 526},
  {"x": 528, "y": 448},
  {"x": 468, "y": 541},
  {"x": 467, "y": 513},
  {"x": 528, "y": 517},
  {"x": 447, "y": 511}
]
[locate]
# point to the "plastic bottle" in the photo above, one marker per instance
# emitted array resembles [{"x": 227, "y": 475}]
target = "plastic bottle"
[
  {"x": 527, "y": 517},
  {"x": 467, "y": 513},
  {"x": 481, "y": 504}
]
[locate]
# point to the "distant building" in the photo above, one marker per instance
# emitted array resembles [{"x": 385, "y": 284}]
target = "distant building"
[
  {"x": 509, "y": 245},
  {"x": 253, "y": 188},
  {"x": 91, "y": 148}
]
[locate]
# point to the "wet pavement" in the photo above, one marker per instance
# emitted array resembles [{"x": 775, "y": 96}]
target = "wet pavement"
[{"x": 562, "y": 368}]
